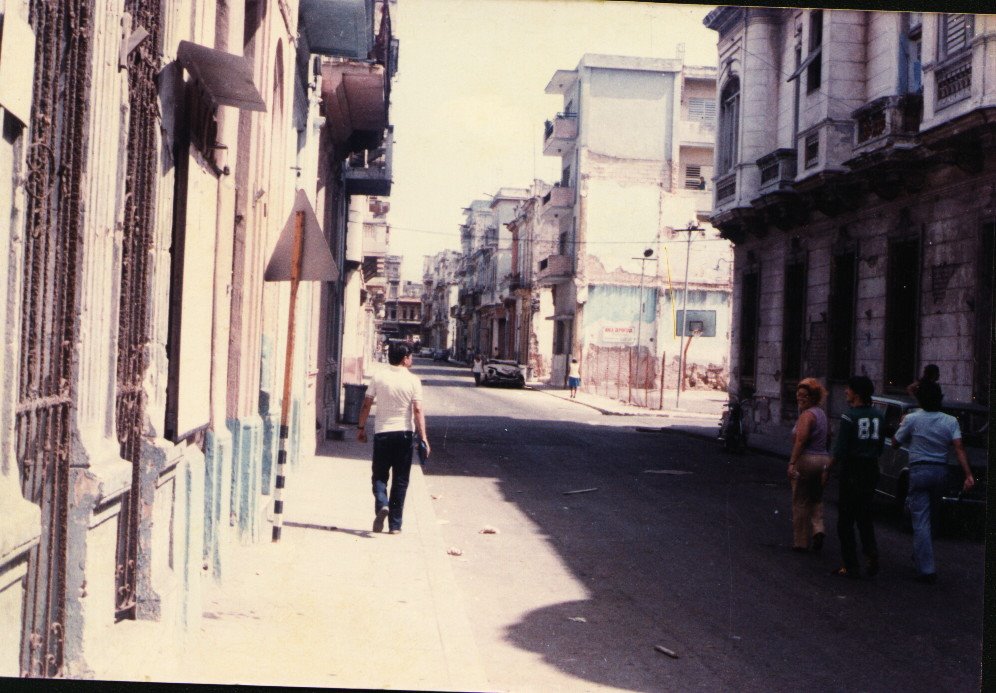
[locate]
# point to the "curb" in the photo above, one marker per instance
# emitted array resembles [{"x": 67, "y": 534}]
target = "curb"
[{"x": 609, "y": 412}]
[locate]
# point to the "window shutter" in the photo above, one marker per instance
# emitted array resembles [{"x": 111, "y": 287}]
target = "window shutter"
[{"x": 957, "y": 32}]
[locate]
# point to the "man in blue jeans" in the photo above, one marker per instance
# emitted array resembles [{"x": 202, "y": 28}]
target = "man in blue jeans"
[
  {"x": 929, "y": 433},
  {"x": 399, "y": 418}
]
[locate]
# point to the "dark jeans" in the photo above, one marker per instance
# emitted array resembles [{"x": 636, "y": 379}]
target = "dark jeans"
[
  {"x": 855, "y": 508},
  {"x": 392, "y": 458}
]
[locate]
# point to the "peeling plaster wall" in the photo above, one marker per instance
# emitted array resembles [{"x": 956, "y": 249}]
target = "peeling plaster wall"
[{"x": 949, "y": 220}]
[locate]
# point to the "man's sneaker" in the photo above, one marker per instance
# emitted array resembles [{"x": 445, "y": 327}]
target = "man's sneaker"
[
  {"x": 395, "y": 531},
  {"x": 379, "y": 520}
]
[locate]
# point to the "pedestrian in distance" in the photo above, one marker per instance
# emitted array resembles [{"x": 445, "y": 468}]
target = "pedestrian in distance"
[
  {"x": 809, "y": 459},
  {"x": 856, "y": 451},
  {"x": 574, "y": 378},
  {"x": 931, "y": 374},
  {"x": 477, "y": 368},
  {"x": 400, "y": 418},
  {"x": 928, "y": 434}
]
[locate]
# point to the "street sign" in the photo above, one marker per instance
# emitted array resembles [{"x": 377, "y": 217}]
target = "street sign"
[
  {"x": 317, "y": 263},
  {"x": 301, "y": 255}
]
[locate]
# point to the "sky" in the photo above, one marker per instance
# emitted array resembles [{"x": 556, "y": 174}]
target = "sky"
[{"x": 468, "y": 104}]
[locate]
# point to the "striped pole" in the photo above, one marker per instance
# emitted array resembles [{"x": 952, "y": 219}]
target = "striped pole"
[{"x": 278, "y": 491}]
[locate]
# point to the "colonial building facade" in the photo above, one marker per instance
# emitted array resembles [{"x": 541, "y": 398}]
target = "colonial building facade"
[
  {"x": 854, "y": 173},
  {"x": 635, "y": 140},
  {"x": 150, "y": 157}
]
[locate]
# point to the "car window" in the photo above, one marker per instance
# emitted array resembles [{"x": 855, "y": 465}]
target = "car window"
[
  {"x": 891, "y": 415},
  {"x": 974, "y": 426}
]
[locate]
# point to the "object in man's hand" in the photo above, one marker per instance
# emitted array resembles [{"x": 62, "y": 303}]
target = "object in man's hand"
[{"x": 423, "y": 452}]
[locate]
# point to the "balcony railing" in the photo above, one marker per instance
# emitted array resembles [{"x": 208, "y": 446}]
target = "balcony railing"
[
  {"x": 954, "y": 81},
  {"x": 726, "y": 188},
  {"x": 887, "y": 119},
  {"x": 558, "y": 201},
  {"x": 369, "y": 171},
  {"x": 559, "y": 134},
  {"x": 777, "y": 170},
  {"x": 554, "y": 270}
]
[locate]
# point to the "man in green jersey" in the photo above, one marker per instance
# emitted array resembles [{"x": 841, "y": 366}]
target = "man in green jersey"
[{"x": 856, "y": 452}]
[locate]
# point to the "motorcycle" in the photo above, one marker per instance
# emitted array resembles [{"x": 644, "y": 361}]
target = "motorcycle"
[{"x": 733, "y": 426}]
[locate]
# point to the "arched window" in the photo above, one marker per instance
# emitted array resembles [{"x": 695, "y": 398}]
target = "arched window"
[{"x": 729, "y": 124}]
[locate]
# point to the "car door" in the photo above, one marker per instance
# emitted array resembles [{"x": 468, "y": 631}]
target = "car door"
[{"x": 893, "y": 460}]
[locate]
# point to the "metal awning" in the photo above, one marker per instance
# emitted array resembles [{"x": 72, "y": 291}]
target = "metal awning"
[
  {"x": 562, "y": 316},
  {"x": 226, "y": 77},
  {"x": 805, "y": 63},
  {"x": 343, "y": 28}
]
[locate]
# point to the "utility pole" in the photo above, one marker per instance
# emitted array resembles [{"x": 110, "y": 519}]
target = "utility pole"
[
  {"x": 639, "y": 318},
  {"x": 684, "y": 311}
]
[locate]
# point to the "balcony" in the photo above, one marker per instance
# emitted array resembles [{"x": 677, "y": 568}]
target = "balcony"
[
  {"x": 558, "y": 202},
  {"x": 560, "y": 134},
  {"x": 954, "y": 81},
  {"x": 555, "y": 269},
  {"x": 887, "y": 122},
  {"x": 726, "y": 188},
  {"x": 354, "y": 103},
  {"x": 777, "y": 170},
  {"x": 369, "y": 171},
  {"x": 697, "y": 133}
]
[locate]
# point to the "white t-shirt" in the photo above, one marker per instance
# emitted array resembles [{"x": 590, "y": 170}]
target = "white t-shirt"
[{"x": 394, "y": 389}]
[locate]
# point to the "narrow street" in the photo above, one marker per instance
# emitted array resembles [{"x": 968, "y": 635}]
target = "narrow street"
[{"x": 679, "y": 545}]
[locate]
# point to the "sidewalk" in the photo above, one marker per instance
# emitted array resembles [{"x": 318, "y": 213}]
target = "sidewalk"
[
  {"x": 698, "y": 415},
  {"x": 332, "y": 604}
]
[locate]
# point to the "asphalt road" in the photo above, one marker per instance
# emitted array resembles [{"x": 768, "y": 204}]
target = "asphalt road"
[{"x": 681, "y": 546}]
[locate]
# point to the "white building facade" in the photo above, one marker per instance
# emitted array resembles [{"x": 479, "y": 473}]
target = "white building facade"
[{"x": 635, "y": 140}]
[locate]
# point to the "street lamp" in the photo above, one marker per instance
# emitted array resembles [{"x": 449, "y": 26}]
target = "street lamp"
[
  {"x": 639, "y": 318},
  {"x": 684, "y": 311}
]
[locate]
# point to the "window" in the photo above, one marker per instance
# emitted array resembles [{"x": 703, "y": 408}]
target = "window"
[
  {"x": 812, "y": 149},
  {"x": 565, "y": 177},
  {"x": 814, "y": 72},
  {"x": 749, "y": 314},
  {"x": 842, "y": 283},
  {"x": 901, "y": 308},
  {"x": 984, "y": 313},
  {"x": 702, "y": 322},
  {"x": 955, "y": 34},
  {"x": 562, "y": 244},
  {"x": 913, "y": 54},
  {"x": 702, "y": 109},
  {"x": 793, "y": 322},
  {"x": 729, "y": 124},
  {"x": 693, "y": 177}
]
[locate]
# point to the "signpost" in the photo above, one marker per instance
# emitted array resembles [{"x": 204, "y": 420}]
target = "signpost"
[{"x": 301, "y": 255}]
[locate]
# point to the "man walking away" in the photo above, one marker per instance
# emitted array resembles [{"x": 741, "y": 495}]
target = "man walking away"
[
  {"x": 856, "y": 452},
  {"x": 929, "y": 433},
  {"x": 399, "y": 418}
]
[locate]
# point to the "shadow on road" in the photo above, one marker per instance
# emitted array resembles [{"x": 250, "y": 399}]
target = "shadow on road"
[{"x": 697, "y": 559}]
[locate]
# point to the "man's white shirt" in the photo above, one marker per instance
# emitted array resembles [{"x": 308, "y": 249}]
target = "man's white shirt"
[{"x": 394, "y": 388}]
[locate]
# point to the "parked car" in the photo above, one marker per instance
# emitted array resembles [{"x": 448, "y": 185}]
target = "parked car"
[
  {"x": 502, "y": 372},
  {"x": 440, "y": 354},
  {"x": 894, "y": 464}
]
